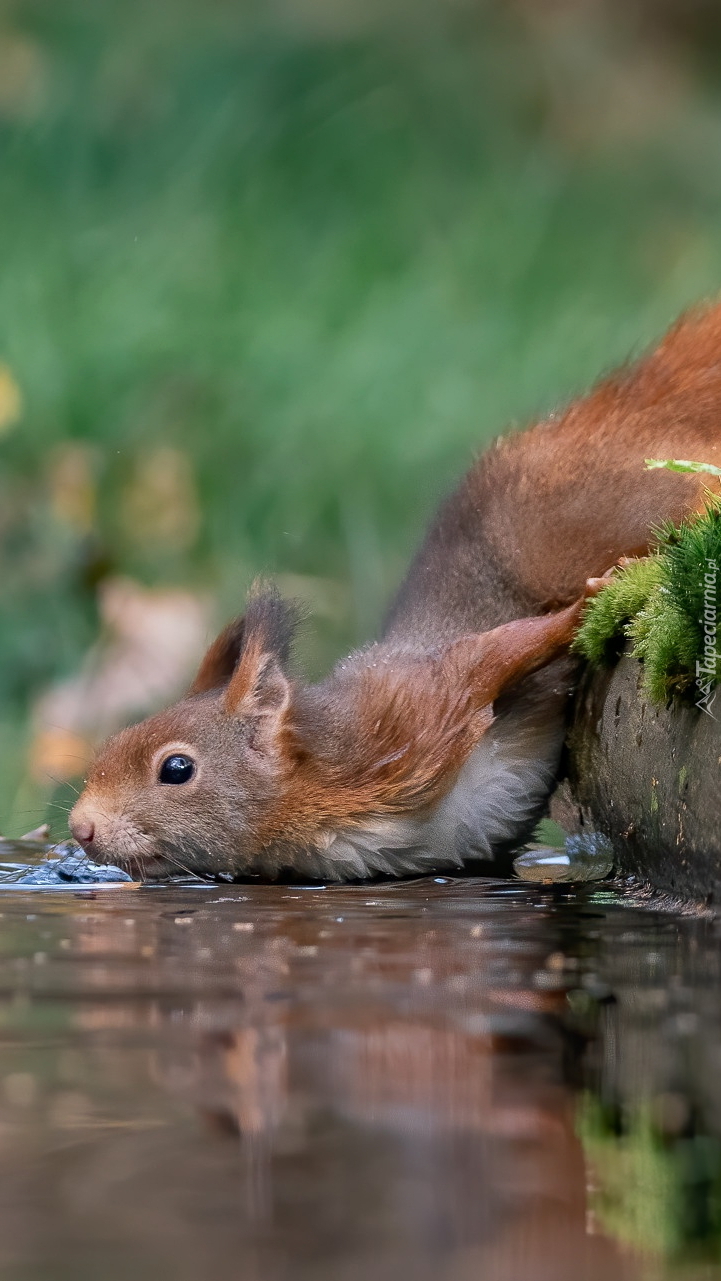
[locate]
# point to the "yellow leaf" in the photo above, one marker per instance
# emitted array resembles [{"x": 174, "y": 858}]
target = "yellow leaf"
[{"x": 11, "y": 400}]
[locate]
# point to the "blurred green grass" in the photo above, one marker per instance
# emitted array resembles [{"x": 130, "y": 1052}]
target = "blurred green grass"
[{"x": 325, "y": 252}]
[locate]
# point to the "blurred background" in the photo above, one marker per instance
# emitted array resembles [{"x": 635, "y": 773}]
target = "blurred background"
[{"x": 270, "y": 273}]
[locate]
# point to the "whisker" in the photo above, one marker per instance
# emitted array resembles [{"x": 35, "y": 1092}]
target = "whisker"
[
  {"x": 194, "y": 873},
  {"x": 62, "y": 782},
  {"x": 175, "y": 862},
  {"x": 38, "y": 812}
]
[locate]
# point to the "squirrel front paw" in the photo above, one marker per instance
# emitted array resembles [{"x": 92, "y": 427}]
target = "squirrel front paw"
[{"x": 595, "y": 585}]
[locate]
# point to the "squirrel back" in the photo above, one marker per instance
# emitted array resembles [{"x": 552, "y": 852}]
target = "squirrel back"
[{"x": 544, "y": 509}]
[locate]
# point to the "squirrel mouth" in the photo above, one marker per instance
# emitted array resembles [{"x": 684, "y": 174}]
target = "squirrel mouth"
[
  {"x": 160, "y": 866},
  {"x": 143, "y": 867}
]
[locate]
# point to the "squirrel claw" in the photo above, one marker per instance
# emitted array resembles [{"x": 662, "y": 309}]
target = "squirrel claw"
[{"x": 595, "y": 585}]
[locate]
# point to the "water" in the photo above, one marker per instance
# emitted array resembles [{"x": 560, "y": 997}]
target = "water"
[{"x": 456, "y": 1080}]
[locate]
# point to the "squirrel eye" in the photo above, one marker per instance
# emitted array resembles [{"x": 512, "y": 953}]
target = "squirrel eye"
[{"x": 176, "y": 769}]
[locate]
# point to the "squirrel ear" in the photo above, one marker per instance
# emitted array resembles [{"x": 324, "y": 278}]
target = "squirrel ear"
[
  {"x": 267, "y": 617},
  {"x": 259, "y": 691},
  {"x": 221, "y": 659}
]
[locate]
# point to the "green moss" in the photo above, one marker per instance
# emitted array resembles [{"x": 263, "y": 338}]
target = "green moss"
[
  {"x": 636, "y": 1181},
  {"x": 655, "y": 1190},
  {"x": 628, "y": 592},
  {"x": 660, "y": 604}
]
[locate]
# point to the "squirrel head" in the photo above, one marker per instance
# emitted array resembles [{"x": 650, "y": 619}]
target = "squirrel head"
[{"x": 190, "y": 787}]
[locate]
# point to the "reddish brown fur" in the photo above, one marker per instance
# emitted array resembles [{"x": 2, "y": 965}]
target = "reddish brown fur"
[
  {"x": 415, "y": 723},
  {"x": 284, "y": 766}
]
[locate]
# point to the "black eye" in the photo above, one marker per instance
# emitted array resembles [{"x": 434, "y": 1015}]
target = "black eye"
[{"x": 176, "y": 769}]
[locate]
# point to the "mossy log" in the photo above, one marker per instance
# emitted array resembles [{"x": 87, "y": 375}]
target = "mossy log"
[{"x": 649, "y": 777}]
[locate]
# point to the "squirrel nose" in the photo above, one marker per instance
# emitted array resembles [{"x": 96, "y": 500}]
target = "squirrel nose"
[{"x": 82, "y": 830}]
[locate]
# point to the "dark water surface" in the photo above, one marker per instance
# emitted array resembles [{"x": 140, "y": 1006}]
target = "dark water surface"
[{"x": 451, "y": 1080}]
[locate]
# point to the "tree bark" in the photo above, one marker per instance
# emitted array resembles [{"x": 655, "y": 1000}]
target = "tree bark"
[{"x": 649, "y": 777}]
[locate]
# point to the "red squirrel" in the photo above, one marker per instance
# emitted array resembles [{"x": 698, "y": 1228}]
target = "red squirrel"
[{"x": 439, "y": 743}]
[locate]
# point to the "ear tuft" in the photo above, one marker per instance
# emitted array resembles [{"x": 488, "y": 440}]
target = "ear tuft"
[
  {"x": 268, "y": 619},
  {"x": 221, "y": 659},
  {"x": 272, "y": 619},
  {"x": 259, "y": 690}
]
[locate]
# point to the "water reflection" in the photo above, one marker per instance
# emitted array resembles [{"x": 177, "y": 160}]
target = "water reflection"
[{"x": 447, "y": 1080}]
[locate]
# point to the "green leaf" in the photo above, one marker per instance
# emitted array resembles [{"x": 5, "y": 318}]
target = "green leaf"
[{"x": 681, "y": 464}]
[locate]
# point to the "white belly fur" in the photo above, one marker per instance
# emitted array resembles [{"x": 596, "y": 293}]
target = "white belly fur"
[{"x": 498, "y": 792}]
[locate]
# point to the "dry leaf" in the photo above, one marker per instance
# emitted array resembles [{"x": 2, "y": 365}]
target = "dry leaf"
[
  {"x": 72, "y": 486},
  {"x": 152, "y": 643}
]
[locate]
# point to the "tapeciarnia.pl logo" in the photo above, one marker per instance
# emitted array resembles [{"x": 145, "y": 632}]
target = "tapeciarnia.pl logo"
[{"x": 706, "y": 666}]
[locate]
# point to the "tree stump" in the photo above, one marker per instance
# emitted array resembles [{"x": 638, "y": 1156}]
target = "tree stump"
[{"x": 649, "y": 777}]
